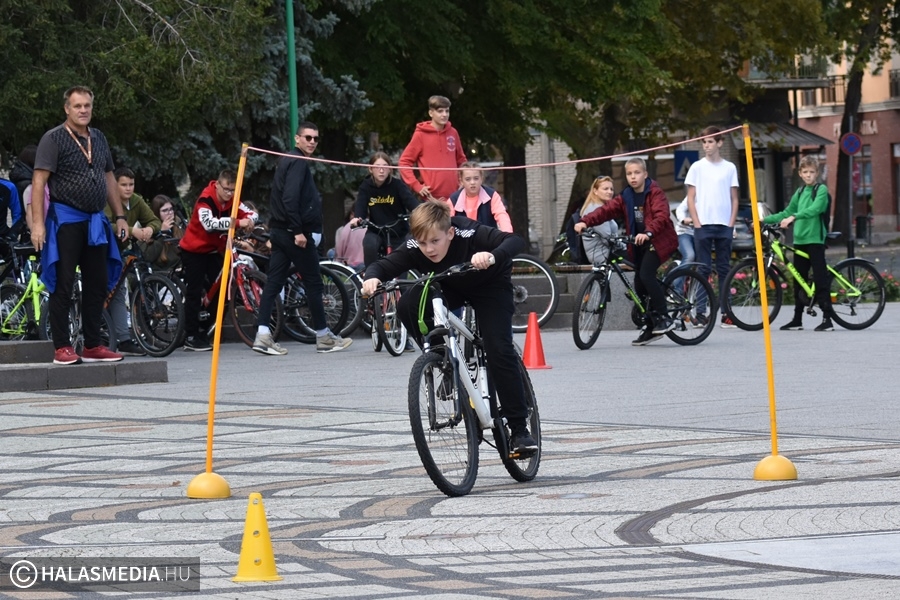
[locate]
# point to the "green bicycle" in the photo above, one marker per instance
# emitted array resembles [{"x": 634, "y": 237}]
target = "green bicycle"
[
  {"x": 857, "y": 289},
  {"x": 23, "y": 304}
]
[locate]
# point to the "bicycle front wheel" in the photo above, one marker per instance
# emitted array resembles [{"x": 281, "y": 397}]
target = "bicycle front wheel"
[
  {"x": 243, "y": 305},
  {"x": 387, "y": 318},
  {"x": 587, "y": 320},
  {"x": 157, "y": 315},
  {"x": 857, "y": 294},
  {"x": 351, "y": 282},
  {"x": 690, "y": 302},
  {"x": 535, "y": 290},
  {"x": 14, "y": 316},
  {"x": 743, "y": 295},
  {"x": 443, "y": 424},
  {"x": 525, "y": 469}
]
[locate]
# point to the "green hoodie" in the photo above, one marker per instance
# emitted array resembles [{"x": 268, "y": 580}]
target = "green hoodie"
[{"x": 808, "y": 227}]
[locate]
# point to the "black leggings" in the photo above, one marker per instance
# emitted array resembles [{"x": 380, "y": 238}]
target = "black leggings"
[{"x": 816, "y": 260}]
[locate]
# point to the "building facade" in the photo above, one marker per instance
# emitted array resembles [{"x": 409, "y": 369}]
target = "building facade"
[{"x": 875, "y": 182}]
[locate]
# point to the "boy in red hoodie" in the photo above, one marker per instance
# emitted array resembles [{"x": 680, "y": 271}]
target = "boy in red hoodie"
[
  {"x": 203, "y": 247},
  {"x": 435, "y": 143}
]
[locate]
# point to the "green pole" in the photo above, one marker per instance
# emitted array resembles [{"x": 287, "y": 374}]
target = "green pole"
[{"x": 291, "y": 68}]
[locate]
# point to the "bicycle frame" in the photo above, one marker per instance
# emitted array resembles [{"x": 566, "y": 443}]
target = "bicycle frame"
[
  {"x": 777, "y": 249},
  {"x": 446, "y": 323},
  {"x": 33, "y": 291}
]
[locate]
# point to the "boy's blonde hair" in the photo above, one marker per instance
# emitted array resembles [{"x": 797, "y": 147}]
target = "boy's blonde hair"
[
  {"x": 431, "y": 214},
  {"x": 809, "y": 161}
]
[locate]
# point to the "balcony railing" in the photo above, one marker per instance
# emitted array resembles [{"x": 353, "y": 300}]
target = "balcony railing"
[
  {"x": 807, "y": 68},
  {"x": 895, "y": 83},
  {"x": 832, "y": 94}
]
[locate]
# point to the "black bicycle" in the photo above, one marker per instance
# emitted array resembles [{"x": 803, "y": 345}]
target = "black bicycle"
[{"x": 690, "y": 300}]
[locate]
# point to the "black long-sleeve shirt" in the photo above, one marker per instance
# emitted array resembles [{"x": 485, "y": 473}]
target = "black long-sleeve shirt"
[{"x": 470, "y": 237}]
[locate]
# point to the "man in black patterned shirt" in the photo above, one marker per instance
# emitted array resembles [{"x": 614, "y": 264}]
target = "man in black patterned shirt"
[{"x": 75, "y": 161}]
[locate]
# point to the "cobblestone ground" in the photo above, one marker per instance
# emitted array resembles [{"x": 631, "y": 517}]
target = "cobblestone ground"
[{"x": 623, "y": 506}]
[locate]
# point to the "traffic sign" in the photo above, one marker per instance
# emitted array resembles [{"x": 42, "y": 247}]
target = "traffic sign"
[
  {"x": 850, "y": 143},
  {"x": 683, "y": 161}
]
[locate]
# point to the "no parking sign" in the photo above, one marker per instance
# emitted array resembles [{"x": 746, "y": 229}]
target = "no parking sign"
[{"x": 851, "y": 144}]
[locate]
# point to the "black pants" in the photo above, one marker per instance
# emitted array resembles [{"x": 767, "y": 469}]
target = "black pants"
[
  {"x": 645, "y": 282},
  {"x": 72, "y": 240},
  {"x": 375, "y": 245},
  {"x": 306, "y": 261},
  {"x": 816, "y": 260},
  {"x": 200, "y": 271},
  {"x": 494, "y": 309}
]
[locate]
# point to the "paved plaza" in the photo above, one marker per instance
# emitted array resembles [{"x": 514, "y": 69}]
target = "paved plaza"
[{"x": 645, "y": 489}]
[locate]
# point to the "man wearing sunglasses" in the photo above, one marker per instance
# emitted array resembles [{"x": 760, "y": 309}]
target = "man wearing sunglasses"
[{"x": 295, "y": 229}]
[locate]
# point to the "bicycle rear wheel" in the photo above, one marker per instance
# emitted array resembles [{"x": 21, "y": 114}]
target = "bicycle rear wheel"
[
  {"x": 444, "y": 427},
  {"x": 587, "y": 320},
  {"x": 743, "y": 296},
  {"x": 387, "y": 317},
  {"x": 860, "y": 307},
  {"x": 526, "y": 468},
  {"x": 298, "y": 322},
  {"x": 243, "y": 305},
  {"x": 690, "y": 302},
  {"x": 535, "y": 290},
  {"x": 157, "y": 315}
]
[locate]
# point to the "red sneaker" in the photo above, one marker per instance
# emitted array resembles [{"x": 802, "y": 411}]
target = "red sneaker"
[
  {"x": 66, "y": 356},
  {"x": 100, "y": 354}
]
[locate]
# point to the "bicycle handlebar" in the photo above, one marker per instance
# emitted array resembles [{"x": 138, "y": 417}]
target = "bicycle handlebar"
[
  {"x": 431, "y": 277},
  {"x": 367, "y": 223}
]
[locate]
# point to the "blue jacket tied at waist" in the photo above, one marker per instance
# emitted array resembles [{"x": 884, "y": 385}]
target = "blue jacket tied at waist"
[{"x": 100, "y": 233}]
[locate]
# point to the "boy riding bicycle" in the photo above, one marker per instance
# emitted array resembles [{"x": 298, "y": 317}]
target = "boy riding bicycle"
[
  {"x": 439, "y": 242},
  {"x": 645, "y": 209}
]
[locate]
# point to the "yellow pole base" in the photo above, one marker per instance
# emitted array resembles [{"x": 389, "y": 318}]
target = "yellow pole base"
[
  {"x": 775, "y": 467},
  {"x": 209, "y": 486}
]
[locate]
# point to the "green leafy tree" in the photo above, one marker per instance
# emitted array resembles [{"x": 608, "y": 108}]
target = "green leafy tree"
[{"x": 865, "y": 31}]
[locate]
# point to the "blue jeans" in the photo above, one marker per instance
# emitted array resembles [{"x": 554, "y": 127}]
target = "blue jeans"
[
  {"x": 707, "y": 239},
  {"x": 686, "y": 247}
]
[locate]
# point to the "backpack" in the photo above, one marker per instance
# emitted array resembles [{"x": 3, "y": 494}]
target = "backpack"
[{"x": 826, "y": 216}]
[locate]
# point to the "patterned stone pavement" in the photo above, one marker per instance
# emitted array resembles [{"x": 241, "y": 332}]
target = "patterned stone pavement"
[{"x": 620, "y": 509}]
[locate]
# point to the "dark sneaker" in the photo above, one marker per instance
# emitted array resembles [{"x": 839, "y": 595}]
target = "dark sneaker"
[
  {"x": 197, "y": 343},
  {"x": 662, "y": 325},
  {"x": 130, "y": 348},
  {"x": 795, "y": 325},
  {"x": 264, "y": 344},
  {"x": 331, "y": 342},
  {"x": 100, "y": 354},
  {"x": 826, "y": 325},
  {"x": 700, "y": 321},
  {"x": 522, "y": 443},
  {"x": 727, "y": 323},
  {"x": 646, "y": 337},
  {"x": 66, "y": 356}
]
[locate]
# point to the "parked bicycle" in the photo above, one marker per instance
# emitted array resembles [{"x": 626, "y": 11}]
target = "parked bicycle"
[
  {"x": 690, "y": 301},
  {"x": 535, "y": 290},
  {"x": 857, "y": 289},
  {"x": 24, "y": 300},
  {"x": 452, "y": 401},
  {"x": 387, "y": 330}
]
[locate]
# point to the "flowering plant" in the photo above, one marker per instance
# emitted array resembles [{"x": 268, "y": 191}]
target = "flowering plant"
[{"x": 891, "y": 287}]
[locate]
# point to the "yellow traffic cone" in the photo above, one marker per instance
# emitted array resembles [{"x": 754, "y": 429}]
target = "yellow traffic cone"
[{"x": 257, "y": 561}]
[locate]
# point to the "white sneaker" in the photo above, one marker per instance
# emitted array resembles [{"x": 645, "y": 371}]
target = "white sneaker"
[
  {"x": 331, "y": 342},
  {"x": 264, "y": 344}
]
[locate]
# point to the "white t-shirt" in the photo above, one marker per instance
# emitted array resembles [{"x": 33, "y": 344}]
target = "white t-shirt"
[{"x": 712, "y": 182}]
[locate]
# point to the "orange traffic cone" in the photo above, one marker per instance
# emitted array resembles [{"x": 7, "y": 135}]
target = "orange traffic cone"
[{"x": 534, "y": 350}]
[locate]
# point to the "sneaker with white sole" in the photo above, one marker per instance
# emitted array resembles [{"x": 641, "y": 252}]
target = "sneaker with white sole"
[
  {"x": 727, "y": 323},
  {"x": 331, "y": 343},
  {"x": 264, "y": 344}
]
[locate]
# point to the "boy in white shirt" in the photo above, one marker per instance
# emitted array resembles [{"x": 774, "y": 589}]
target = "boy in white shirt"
[{"x": 712, "y": 195}]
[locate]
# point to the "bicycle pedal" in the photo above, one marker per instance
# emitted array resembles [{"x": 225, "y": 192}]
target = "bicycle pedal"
[{"x": 522, "y": 455}]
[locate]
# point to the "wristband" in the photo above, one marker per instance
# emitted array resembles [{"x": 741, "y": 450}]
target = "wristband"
[{"x": 121, "y": 217}]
